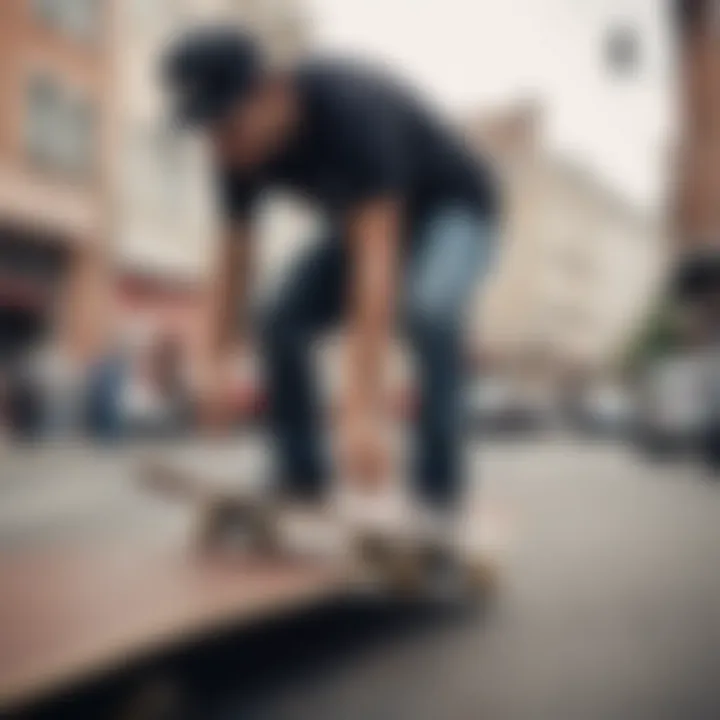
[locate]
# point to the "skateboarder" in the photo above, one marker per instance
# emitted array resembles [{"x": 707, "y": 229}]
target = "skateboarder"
[{"x": 412, "y": 219}]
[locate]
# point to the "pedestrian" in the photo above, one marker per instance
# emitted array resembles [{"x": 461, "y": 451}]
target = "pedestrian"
[{"x": 107, "y": 380}]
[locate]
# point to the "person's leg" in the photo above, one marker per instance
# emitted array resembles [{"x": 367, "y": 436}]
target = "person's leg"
[
  {"x": 309, "y": 300},
  {"x": 450, "y": 254}
]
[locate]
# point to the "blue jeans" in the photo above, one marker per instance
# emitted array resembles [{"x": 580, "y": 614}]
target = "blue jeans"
[{"x": 444, "y": 260}]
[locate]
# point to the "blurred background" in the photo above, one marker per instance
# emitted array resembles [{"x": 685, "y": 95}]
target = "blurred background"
[
  {"x": 601, "y": 115},
  {"x": 595, "y": 345}
]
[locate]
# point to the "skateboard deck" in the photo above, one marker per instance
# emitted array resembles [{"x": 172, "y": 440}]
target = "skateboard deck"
[{"x": 397, "y": 559}]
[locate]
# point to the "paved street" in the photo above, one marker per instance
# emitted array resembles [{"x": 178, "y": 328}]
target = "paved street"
[{"x": 609, "y": 608}]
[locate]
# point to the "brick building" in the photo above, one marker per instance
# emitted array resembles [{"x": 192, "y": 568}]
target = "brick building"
[
  {"x": 54, "y": 163},
  {"x": 698, "y": 164}
]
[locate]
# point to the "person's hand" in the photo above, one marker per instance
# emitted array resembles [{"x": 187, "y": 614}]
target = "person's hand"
[{"x": 364, "y": 456}]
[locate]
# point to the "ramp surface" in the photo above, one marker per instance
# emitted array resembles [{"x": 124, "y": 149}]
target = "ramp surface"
[{"x": 70, "y": 614}]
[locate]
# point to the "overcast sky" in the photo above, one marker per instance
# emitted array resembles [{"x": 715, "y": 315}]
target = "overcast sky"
[{"x": 474, "y": 54}]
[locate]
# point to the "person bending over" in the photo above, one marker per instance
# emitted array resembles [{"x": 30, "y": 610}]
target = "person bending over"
[{"x": 411, "y": 218}]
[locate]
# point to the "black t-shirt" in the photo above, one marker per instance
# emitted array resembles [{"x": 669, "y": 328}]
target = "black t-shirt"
[{"x": 363, "y": 137}]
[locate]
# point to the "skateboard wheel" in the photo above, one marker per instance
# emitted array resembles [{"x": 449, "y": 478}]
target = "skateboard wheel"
[
  {"x": 406, "y": 576},
  {"x": 224, "y": 521},
  {"x": 483, "y": 576},
  {"x": 396, "y": 568}
]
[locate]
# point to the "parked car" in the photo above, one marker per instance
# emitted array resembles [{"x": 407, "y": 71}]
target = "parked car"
[
  {"x": 673, "y": 405},
  {"x": 606, "y": 411},
  {"x": 496, "y": 406}
]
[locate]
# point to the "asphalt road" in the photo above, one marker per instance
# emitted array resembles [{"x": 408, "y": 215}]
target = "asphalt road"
[{"x": 609, "y": 607}]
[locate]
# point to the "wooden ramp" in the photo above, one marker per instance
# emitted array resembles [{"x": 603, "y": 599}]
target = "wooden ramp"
[{"x": 69, "y": 614}]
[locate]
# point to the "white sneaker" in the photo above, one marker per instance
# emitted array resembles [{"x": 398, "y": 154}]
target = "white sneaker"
[{"x": 384, "y": 511}]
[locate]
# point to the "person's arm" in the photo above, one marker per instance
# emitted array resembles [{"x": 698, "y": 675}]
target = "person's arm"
[
  {"x": 373, "y": 235},
  {"x": 230, "y": 291},
  {"x": 232, "y": 279},
  {"x": 228, "y": 321}
]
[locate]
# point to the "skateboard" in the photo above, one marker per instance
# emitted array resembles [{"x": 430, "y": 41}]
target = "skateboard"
[{"x": 396, "y": 559}]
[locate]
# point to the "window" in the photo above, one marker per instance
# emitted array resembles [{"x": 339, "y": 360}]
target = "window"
[
  {"x": 42, "y": 103},
  {"x": 78, "y": 139},
  {"x": 61, "y": 127},
  {"x": 49, "y": 11},
  {"x": 80, "y": 18},
  {"x": 84, "y": 17}
]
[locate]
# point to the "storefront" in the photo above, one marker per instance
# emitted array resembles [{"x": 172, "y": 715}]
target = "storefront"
[{"x": 33, "y": 271}]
